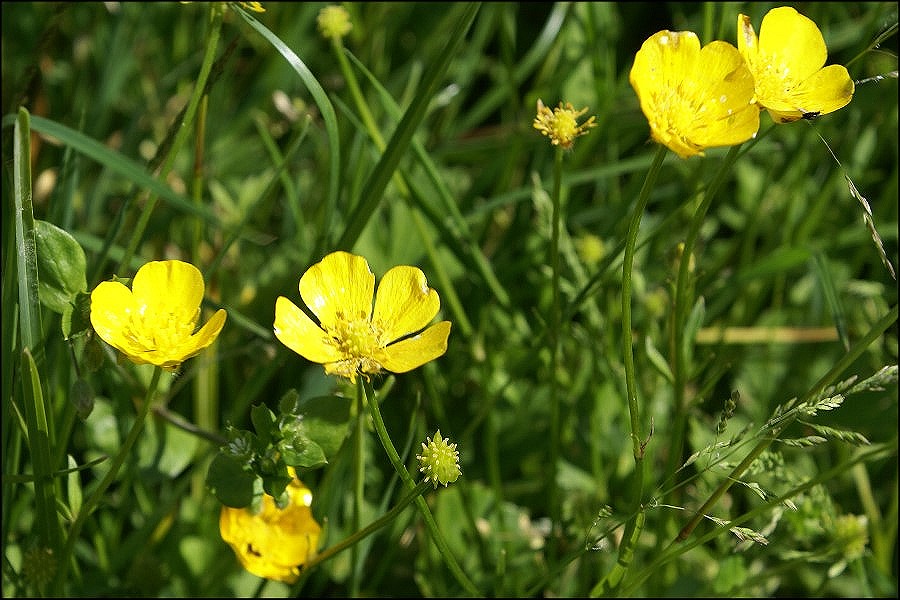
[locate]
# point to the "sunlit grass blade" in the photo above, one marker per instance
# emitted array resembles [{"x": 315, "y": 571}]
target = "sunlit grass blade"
[
  {"x": 459, "y": 229},
  {"x": 400, "y": 140},
  {"x": 328, "y": 118},
  {"x": 26, "y": 250},
  {"x": 531, "y": 61},
  {"x": 831, "y": 296},
  {"x": 39, "y": 443},
  {"x": 31, "y": 331}
]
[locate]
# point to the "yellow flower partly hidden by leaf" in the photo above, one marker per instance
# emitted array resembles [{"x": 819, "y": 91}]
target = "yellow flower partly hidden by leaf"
[
  {"x": 561, "y": 123},
  {"x": 156, "y": 320},
  {"x": 275, "y": 542},
  {"x": 439, "y": 460},
  {"x": 350, "y": 337},
  {"x": 254, "y": 6},
  {"x": 334, "y": 22},
  {"x": 694, "y": 98},
  {"x": 787, "y": 64}
]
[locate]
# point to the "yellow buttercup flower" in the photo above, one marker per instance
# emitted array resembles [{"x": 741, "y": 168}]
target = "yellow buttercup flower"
[
  {"x": 787, "y": 65},
  {"x": 350, "y": 337},
  {"x": 156, "y": 320},
  {"x": 694, "y": 98},
  {"x": 275, "y": 542},
  {"x": 254, "y": 6},
  {"x": 561, "y": 123}
]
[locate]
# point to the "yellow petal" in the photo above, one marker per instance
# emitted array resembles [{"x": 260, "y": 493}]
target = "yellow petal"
[
  {"x": 414, "y": 352},
  {"x": 299, "y": 333},
  {"x": 274, "y": 542},
  {"x": 169, "y": 289},
  {"x": 663, "y": 62},
  {"x": 725, "y": 116},
  {"x": 339, "y": 287},
  {"x": 824, "y": 92},
  {"x": 203, "y": 338},
  {"x": 404, "y": 303},
  {"x": 112, "y": 305},
  {"x": 789, "y": 39},
  {"x": 748, "y": 44},
  {"x": 694, "y": 98}
]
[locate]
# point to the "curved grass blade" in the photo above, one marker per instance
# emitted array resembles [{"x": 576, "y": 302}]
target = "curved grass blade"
[
  {"x": 400, "y": 140},
  {"x": 328, "y": 118}
]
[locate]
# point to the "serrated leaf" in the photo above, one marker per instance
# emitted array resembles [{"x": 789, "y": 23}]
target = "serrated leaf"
[{"x": 306, "y": 454}]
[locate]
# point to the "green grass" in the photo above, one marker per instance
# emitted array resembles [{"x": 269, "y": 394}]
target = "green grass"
[{"x": 414, "y": 145}]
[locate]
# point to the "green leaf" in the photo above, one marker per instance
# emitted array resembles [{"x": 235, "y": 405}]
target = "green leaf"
[
  {"x": 26, "y": 261},
  {"x": 82, "y": 396},
  {"x": 61, "y": 267},
  {"x": 74, "y": 486},
  {"x": 263, "y": 422},
  {"x": 230, "y": 482},
  {"x": 76, "y": 319},
  {"x": 326, "y": 419},
  {"x": 302, "y": 452}
]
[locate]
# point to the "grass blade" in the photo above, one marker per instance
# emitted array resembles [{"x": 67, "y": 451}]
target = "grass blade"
[{"x": 402, "y": 136}]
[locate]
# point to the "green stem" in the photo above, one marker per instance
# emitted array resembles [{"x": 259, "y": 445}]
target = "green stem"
[
  {"x": 88, "y": 507},
  {"x": 400, "y": 468},
  {"x": 183, "y": 131},
  {"x": 635, "y": 524},
  {"x": 554, "y": 326},
  {"x": 353, "y": 540},
  {"x": 845, "y": 362},
  {"x": 682, "y": 307},
  {"x": 359, "y": 469},
  {"x": 627, "y": 338}
]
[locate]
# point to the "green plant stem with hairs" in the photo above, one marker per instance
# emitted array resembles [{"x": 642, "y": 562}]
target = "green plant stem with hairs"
[
  {"x": 359, "y": 479},
  {"x": 555, "y": 322},
  {"x": 682, "y": 307},
  {"x": 94, "y": 500},
  {"x": 400, "y": 468},
  {"x": 635, "y": 524}
]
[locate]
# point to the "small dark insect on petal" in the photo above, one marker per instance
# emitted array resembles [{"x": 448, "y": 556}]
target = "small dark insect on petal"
[{"x": 809, "y": 116}]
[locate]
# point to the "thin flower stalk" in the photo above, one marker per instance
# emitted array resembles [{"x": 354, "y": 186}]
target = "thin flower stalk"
[
  {"x": 352, "y": 541},
  {"x": 635, "y": 525},
  {"x": 96, "y": 496},
  {"x": 400, "y": 468},
  {"x": 561, "y": 126}
]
